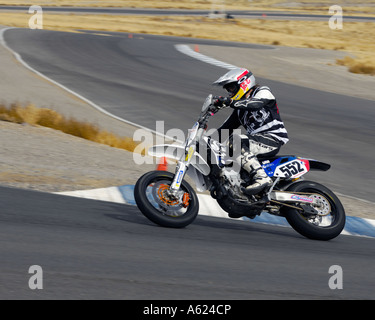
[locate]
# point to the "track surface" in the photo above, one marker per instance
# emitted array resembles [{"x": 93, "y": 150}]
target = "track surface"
[
  {"x": 144, "y": 79},
  {"x": 98, "y": 250}
]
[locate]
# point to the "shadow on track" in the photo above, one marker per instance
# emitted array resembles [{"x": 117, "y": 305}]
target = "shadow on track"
[{"x": 204, "y": 224}]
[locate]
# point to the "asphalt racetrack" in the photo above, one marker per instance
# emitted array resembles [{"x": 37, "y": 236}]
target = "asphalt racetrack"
[{"x": 99, "y": 250}]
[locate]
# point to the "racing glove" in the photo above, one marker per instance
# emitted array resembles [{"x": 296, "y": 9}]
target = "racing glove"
[{"x": 221, "y": 102}]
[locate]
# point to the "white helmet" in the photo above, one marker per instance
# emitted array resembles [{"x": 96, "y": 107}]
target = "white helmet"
[{"x": 237, "y": 82}]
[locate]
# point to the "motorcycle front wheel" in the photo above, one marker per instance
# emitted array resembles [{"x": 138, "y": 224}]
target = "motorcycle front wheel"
[
  {"x": 329, "y": 218},
  {"x": 151, "y": 196}
]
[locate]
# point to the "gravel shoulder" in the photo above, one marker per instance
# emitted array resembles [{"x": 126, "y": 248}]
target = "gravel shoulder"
[
  {"x": 44, "y": 159},
  {"x": 47, "y": 160}
]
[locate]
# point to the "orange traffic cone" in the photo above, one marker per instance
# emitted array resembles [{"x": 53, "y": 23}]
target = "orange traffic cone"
[{"x": 163, "y": 165}]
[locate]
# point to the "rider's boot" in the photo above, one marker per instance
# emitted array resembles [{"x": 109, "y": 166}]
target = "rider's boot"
[{"x": 261, "y": 180}]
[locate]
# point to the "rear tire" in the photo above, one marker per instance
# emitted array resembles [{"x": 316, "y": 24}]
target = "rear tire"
[
  {"x": 147, "y": 192},
  {"x": 332, "y": 210}
]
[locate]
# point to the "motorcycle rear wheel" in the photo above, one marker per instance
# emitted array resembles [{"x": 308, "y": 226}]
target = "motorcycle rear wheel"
[
  {"x": 330, "y": 221},
  {"x": 151, "y": 198}
]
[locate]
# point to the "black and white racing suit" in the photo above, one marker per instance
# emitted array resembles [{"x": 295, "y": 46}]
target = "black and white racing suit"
[{"x": 259, "y": 115}]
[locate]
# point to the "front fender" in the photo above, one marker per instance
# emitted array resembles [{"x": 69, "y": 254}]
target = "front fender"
[{"x": 177, "y": 152}]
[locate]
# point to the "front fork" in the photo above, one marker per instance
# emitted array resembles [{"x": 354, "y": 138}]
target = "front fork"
[
  {"x": 183, "y": 165},
  {"x": 178, "y": 177}
]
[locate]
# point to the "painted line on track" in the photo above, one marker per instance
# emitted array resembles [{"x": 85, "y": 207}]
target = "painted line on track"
[{"x": 185, "y": 49}]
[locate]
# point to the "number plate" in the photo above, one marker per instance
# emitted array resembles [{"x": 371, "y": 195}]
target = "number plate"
[{"x": 292, "y": 169}]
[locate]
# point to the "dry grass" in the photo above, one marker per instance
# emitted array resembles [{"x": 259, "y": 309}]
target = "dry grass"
[
  {"x": 357, "y": 66},
  {"x": 312, "y": 6},
  {"x": 159, "y": 4},
  {"x": 49, "y": 118}
]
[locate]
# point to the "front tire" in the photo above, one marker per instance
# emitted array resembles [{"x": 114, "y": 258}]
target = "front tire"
[
  {"x": 150, "y": 196},
  {"x": 330, "y": 220}
]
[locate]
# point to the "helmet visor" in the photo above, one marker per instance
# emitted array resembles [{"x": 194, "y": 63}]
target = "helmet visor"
[{"x": 232, "y": 88}]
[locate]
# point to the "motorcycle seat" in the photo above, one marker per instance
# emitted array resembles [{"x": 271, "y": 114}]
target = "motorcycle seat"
[{"x": 262, "y": 157}]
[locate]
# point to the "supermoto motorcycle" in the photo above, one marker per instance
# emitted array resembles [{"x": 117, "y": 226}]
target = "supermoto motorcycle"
[{"x": 168, "y": 199}]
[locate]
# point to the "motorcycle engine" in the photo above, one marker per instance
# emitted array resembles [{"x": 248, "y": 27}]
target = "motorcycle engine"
[
  {"x": 231, "y": 181},
  {"x": 232, "y": 200}
]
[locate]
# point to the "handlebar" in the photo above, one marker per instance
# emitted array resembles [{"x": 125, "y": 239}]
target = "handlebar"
[
  {"x": 211, "y": 106},
  {"x": 220, "y": 101}
]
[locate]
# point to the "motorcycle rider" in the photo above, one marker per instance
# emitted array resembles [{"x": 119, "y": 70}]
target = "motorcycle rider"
[{"x": 255, "y": 108}]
